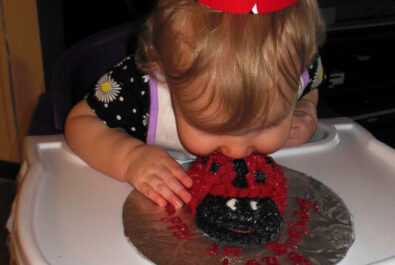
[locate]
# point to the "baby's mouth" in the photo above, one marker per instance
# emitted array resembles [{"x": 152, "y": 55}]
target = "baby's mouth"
[{"x": 249, "y": 231}]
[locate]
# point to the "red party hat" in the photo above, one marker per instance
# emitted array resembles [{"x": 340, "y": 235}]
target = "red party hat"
[{"x": 247, "y": 6}]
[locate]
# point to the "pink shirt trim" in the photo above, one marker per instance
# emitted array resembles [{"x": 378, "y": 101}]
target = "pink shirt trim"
[{"x": 153, "y": 112}]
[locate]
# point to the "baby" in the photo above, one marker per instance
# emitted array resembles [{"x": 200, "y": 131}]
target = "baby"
[{"x": 203, "y": 79}]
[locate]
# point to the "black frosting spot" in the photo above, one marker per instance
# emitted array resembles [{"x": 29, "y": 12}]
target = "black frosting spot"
[
  {"x": 242, "y": 226},
  {"x": 204, "y": 160},
  {"x": 241, "y": 170},
  {"x": 214, "y": 167},
  {"x": 269, "y": 161},
  {"x": 260, "y": 177}
]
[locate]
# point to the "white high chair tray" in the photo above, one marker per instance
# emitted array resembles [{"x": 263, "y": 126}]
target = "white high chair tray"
[{"x": 67, "y": 213}]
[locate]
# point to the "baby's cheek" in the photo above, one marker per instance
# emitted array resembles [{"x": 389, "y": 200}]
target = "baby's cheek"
[
  {"x": 268, "y": 149},
  {"x": 198, "y": 145},
  {"x": 271, "y": 143}
]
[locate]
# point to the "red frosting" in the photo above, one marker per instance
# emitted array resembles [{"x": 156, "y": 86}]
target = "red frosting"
[{"x": 220, "y": 183}]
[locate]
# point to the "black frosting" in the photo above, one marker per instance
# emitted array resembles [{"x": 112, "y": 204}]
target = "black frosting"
[
  {"x": 269, "y": 161},
  {"x": 214, "y": 168},
  {"x": 240, "y": 167},
  {"x": 249, "y": 221},
  {"x": 260, "y": 177}
]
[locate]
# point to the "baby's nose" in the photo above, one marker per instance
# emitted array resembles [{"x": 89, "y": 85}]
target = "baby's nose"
[{"x": 237, "y": 151}]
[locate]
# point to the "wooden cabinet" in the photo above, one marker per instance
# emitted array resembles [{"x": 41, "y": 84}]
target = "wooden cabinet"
[{"x": 21, "y": 73}]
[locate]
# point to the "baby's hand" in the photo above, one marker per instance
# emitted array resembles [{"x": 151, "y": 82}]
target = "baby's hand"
[
  {"x": 158, "y": 176},
  {"x": 303, "y": 128}
]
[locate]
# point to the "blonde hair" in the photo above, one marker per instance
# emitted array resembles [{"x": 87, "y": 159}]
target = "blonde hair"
[{"x": 244, "y": 62}]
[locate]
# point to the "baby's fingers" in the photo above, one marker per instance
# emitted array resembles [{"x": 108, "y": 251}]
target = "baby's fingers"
[
  {"x": 150, "y": 193},
  {"x": 175, "y": 185},
  {"x": 177, "y": 170},
  {"x": 161, "y": 187}
]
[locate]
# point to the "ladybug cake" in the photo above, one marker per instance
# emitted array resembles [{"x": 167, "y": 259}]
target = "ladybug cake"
[{"x": 238, "y": 201}]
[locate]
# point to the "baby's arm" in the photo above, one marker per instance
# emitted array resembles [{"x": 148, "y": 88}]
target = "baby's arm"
[
  {"x": 304, "y": 120},
  {"x": 115, "y": 153}
]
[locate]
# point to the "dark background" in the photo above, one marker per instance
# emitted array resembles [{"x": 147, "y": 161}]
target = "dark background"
[{"x": 360, "y": 46}]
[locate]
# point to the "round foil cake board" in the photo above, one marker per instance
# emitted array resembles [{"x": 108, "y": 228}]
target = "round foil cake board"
[{"x": 318, "y": 229}]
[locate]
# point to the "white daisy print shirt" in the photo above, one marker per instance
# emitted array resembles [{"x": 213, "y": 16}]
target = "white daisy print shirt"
[
  {"x": 120, "y": 98},
  {"x": 107, "y": 89},
  {"x": 313, "y": 77}
]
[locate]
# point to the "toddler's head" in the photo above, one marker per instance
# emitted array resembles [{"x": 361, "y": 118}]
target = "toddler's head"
[{"x": 233, "y": 78}]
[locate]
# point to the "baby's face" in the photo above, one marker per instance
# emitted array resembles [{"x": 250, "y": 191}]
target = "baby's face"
[{"x": 203, "y": 143}]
